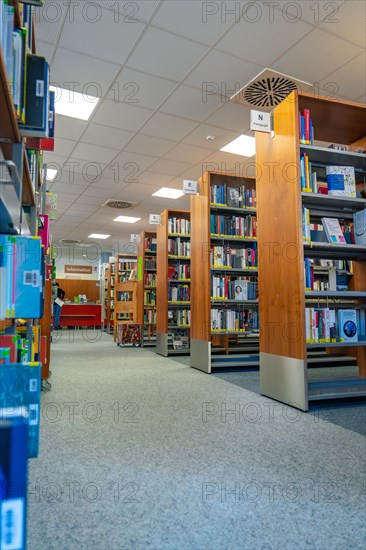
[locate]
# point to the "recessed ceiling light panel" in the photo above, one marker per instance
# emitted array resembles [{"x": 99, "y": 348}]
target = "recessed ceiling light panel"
[
  {"x": 168, "y": 193},
  {"x": 74, "y": 104},
  {"x": 98, "y": 236},
  {"x": 242, "y": 145},
  {"x": 126, "y": 219}
]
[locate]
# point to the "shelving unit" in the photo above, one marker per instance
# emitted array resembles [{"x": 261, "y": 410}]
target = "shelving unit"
[
  {"x": 146, "y": 287},
  {"x": 239, "y": 343},
  {"x": 126, "y": 307},
  {"x": 173, "y": 275},
  {"x": 285, "y": 354},
  {"x": 111, "y": 272},
  {"x": 104, "y": 294}
]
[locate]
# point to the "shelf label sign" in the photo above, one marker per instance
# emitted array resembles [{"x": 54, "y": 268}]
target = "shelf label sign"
[
  {"x": 154, "y": 219},
  {"x": 190, "y": 187},
  {"x": 86, "y": 269},
  {"x": 134, "y": 238},
  {"x": 260, "y": 121}
]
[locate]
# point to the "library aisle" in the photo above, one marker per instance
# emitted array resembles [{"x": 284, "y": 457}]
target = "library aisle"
[{"x": 141, "y": 451}]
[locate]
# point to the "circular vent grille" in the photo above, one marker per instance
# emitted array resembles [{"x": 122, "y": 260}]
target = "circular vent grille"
[
  {"x": 269, "y": 92},
  {"x": 121, "y": 205}
]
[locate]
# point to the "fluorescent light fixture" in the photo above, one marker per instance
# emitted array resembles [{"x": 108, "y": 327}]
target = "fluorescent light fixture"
[
  {"x": 126, "y": 219},
  {"x": 168, "y": 193},
  {"x": 74, "y": 104},
  {"x": 242, "y": 145},
  {"x": 51, "y": 174},
  {"x": 98, "y": 236}
]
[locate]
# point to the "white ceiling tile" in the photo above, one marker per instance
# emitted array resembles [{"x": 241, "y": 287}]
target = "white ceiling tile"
[
  {"x": 140, "y": 89},
  {"x": 68, "y": 189},
  {"x": 131, "y": 12},
  {"x": 199, "y": 136},
  {"x": 153, "y": 178},
  {"x": 88, "y": 75},
  {"x": 188, "y": 153},
  {"x": 232, "y": 116},
  {"x": 254, "y": 41},
  {"x": 193, "y": 20},
  {"x": 349, "y": 81},
  {"x": 94, "y": 153},
  {"x": 121, "y": 115},
  {"x": 83, "y": 171},
  {"x": 191, "y": 103},
  {"x": 63, "y": 147},
  {"x": 136, "y": 192},
  {"x": 164, "y": 54},
  {"x": 316, "y": 56},
  {"x": 170, "y": 167},
  {"x": 112, "y": 138},
  {"x": 69, "y": 128},
  {"x": 221, "y": 73},
  {"x": 350, "y": 15},
  {"x": 100, "y": 34},
  {"x": 44, "y": 48},
  {"x": 153, "y": 146},
  {"x": 168, "y": 127},
  {"x": 49, "y": 20},
  {"x": 127, "y": 167}
]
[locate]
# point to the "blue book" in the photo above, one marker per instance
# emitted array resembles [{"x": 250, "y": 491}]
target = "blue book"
[
  {"x": 13, "y": 482},
  {"x": 8, "y": 271},
  {"x": 347, "y": 325},
  {"x": 28, "y": 278},
  {"x": 302, "y": 128}
]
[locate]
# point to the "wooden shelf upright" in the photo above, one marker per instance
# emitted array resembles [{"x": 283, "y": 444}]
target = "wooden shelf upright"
[
  {"x": 284, "y": 348},
  {"x": 239, "y": 341},
  {"x": 173, "y": 276}
]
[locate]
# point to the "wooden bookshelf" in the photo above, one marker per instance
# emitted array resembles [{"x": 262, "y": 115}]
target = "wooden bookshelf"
[
  {"x": 146, "y": 267},
  {"x": 239, "y": 346},
  {"x": 284, "y": 352},
  {"x": 111, "y": 278},
  {"x": 126, "y": 306},
  {"x": 173, "y": 272}
]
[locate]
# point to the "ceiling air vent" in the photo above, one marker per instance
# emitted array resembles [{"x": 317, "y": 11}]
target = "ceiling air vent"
[
  {"x": 69, "y": 241},
  {"x": 119, "y": 205},
  {"x": 268, "y": 89}
]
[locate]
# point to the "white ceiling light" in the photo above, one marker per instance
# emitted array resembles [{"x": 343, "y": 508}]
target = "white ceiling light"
[
  {"x": 98, "y": 236},
  {"x": 51, "y": 174},
  {"x": 168, "y": 193},
  {"x": 74, "y": 104},
  {"x": 126, "y": 219},
  {"x": 242, "y": 145}
]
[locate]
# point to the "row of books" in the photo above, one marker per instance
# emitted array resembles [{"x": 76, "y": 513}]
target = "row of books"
[
  {"x": 179, "y": 225},
  {"x": 124, "y": 296},
  {"x": 150, "y": 244},
  {"x": 126, "y": 265},
  {"x": 331, "y": 325},
  {"x": 332, "y": 280},
  {"x": 234, "y": 320},
  {"x": 180, "y": 340},
  {"x": 150, "y": 264},
  {"x": 15, "y": 349},
  {"x": 229, "y": 288},
  {"x": 239, "y": 258},
  {"x": 306, "y": 130},
  {"x": 179, "y": 247},
  {"x": 330, "y": 230},
  {"x": 150, "y": 297},
  {"x": 340, "y": 180},
  {"x": 150, "y": 279},
  {"x": 236, "y": 226},
  {"x": 150, "y": 316},
  {"x": 179, "y": 317},
  {"x": 35, "y": 162},
  {"x": 237, "y": 197},
  {"x": 21, "y": 277},
  {"x": 179, "y": 293},
  {"x": 179, "y": 271}
]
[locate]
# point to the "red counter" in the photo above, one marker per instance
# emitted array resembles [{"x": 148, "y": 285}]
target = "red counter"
[{"x": 81, "y": 315}]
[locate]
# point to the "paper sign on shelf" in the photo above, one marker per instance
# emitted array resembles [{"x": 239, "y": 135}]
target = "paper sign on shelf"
[
  {"x": 190, "y": 187},
  {"x": 154, "y": 219},
  {"x": 260, "y": 121},
  {"x": 134, "y": 238}
]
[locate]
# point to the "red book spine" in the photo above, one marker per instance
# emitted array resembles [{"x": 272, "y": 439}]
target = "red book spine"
[{"x": 306, "y": 115}]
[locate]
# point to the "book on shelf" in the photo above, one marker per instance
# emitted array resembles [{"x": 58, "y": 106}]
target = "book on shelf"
[
  {"x": 236, "y": 226},
  {"x": 179, "y": 225},
  {"x": 179, "y": 293},
  {"x": 359, "y": 221},
  {"x": 235, "y": 320},
  {"x": 149, "y": 297},
  {"x": 306, "y": 130},
  {"x": 178, "y": 247},
  {"x": 332, "y": 278},
  {"x": 150, "y": 264},
  {"x": 150, "y": 244},
  {"x": 333, "y": 230},
  {"x": 178, "y": 271},
  {"x": 150, "y": 316},
  {"x": 232, "y": 288},
  {"x": 347, "y": 325},
  {"x": 238, "y": 197},
  {"x": 180, "y": 340},
  {"x": 341, "y": 181},
  {"x": 236, "y": 258},
  {"x": 133, "y": 275}
]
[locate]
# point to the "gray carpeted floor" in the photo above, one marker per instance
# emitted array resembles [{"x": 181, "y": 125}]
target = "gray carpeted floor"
[{"x": 141, "y": 452}]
